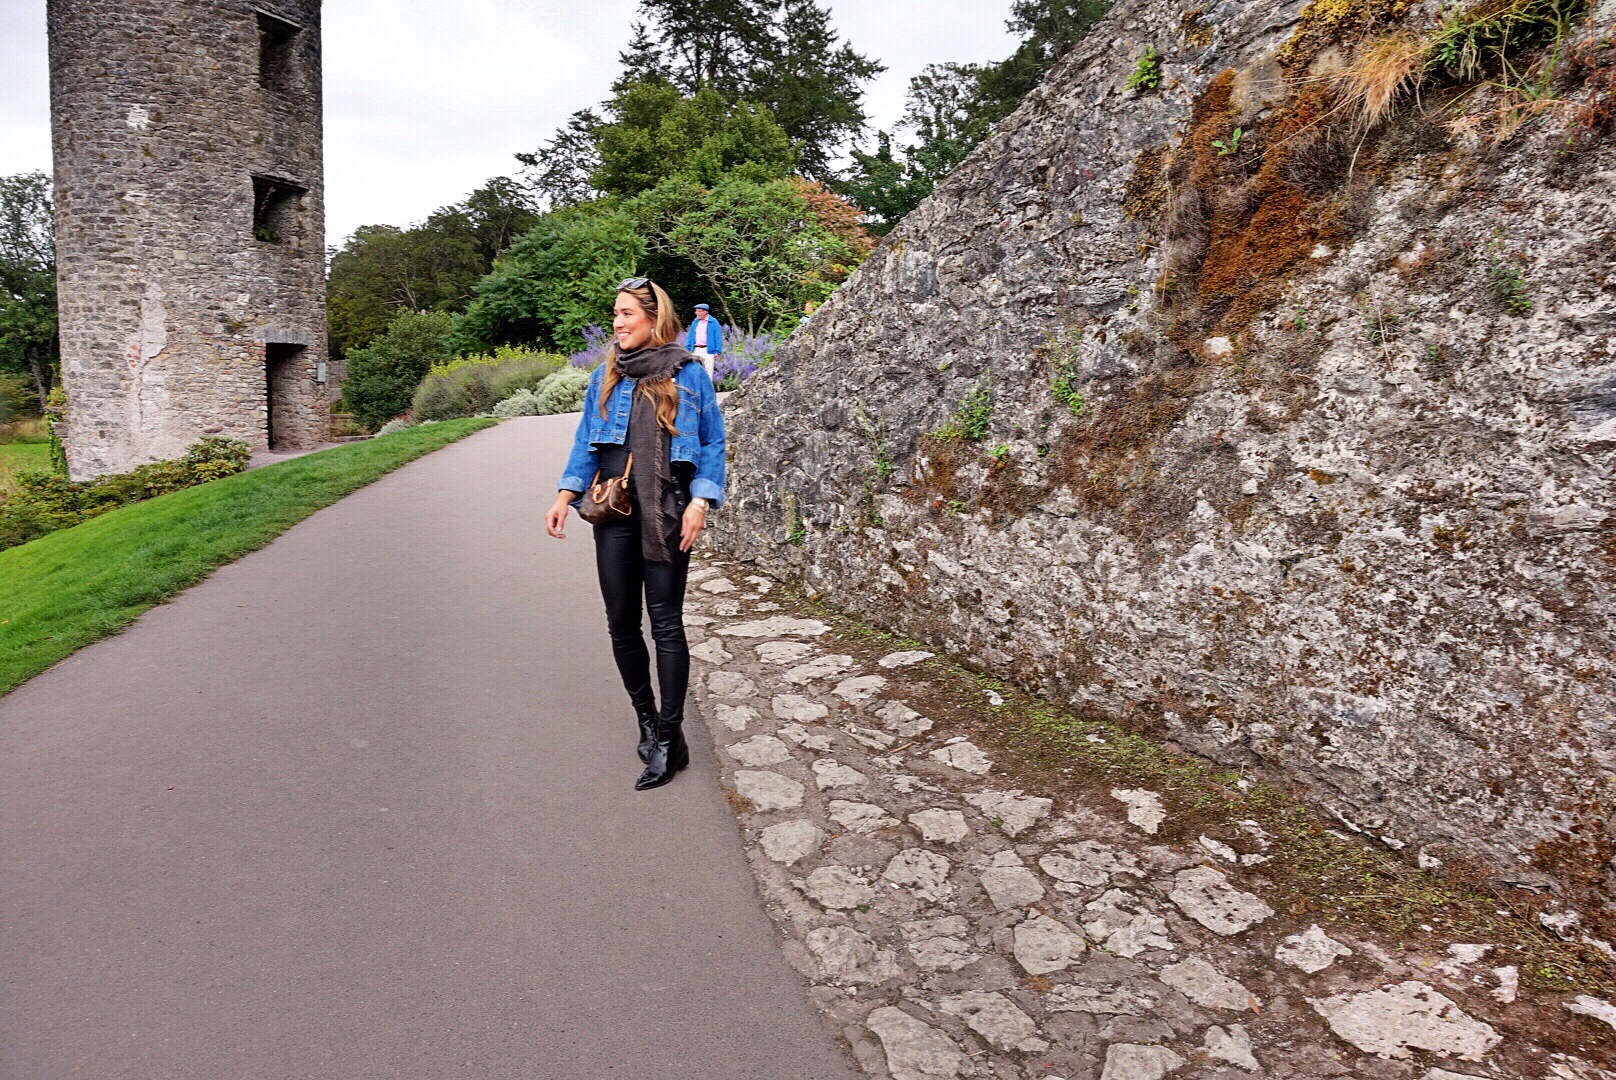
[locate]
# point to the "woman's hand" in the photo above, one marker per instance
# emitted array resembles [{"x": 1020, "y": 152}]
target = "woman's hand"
[
  {"x": 695, "y": 521},
  {"x": 557, "y": 517}
]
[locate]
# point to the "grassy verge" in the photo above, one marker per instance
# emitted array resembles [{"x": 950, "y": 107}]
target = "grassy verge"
[
  {"x": 18, "y": 458},
  {"x": 65, "y": 590}
]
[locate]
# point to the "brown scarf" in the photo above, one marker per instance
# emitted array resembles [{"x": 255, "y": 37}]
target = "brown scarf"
[{"x": 652, "y": 476}]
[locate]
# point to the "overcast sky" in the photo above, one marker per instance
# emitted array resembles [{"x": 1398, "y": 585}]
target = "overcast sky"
[{"x": 424, "y": 100}]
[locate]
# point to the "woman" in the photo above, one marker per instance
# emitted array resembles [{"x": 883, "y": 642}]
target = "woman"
[{"x": 650, "y": 408}]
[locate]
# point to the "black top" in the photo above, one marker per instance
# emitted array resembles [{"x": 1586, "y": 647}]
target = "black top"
[{"x": 614, "y": 460}]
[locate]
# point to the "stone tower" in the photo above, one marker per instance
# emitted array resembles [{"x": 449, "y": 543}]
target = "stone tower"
[{"x": 190, "y": 225}]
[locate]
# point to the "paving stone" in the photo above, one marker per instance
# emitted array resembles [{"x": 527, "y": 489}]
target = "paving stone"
[
  {"x": 1396, "y": 1020},
  {"x": 797, "y": 708},
  {"x": 727, "y": 608},
  {"x": 938, "y": 944},
  {"x": 1128, "y": 1061},
  {"x": 768, "y": 790},
  {"x": 759, "y": 750},
  {"x": 1132, "y": 999},
  {"x": 692, "y": 619},
  {"x": 901, "y": 720},
  {"x": 791, "y": 840},
  {"x": 711, "y": 651},
  {"x": 1509, "y": 984},
  {"x": 860, "y": 817},
  {"x": 925, "y": 873},
  {"x": 774, "y": 626},
  {"x": 818, "y": 742},
  {"x": 837, "y": 887},
  {"x": 1584, "y": 1005},
  {"x": 762, "y": 584},
  {"x": 875, "y": 740},
  {"x": 904, "y": 659},
  {"x": 916, "y": 1050},
  {"x": 1207, "y": 897},
  {"x": 1144, "y": 807},
  {"x": 1088, "y": 862},
  {"x": 735, "y": 717},
  {"x": 1011, "y": 885},
  {"x": 859, "y": 689},
  {"x": 1124, "y": 925},
  {"x": 996, "y": 1018},
  {"x": 1312, "y": 951},
  {"x": 1042, "y": 945},
  {"x": 848, "y": 956},
  {"x": 965, "y": 756},
  {"x": 940, "y": 826},
  {"x": 1014, "y": 812},
  {"x": 730, "y": 684},
  {"x": 765, "y": 605},
  {"x": 718, "y": 585},
  {"x": 1203, "y": 984},
  {"x": 820, "y": 667},
  {"x": 1233, "y": 1045},
  {"x": 1443, "y": 1074},
  {"x": 783, "y": 652},
  {"x": 829, "y": 773}
]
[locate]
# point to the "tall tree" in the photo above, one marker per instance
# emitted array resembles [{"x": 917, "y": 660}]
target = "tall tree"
[
  {"x": 559, "y": 173},
  {"x": 28, "y": 337},
  {"x": 383, "y": 270},
  {"x": 952, "y": 107}
]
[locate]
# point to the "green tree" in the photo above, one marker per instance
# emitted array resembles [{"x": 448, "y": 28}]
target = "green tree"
[
  {"x": 382, "y": 271},
  {"x": 657, "y": 132},
  {"x": 758, "y": 246},
  {"x": 951, "y": 108},
  {"x": 28, "y": 326},
  {"x": 383, "y": 375},
  {"x": 558, "y": 278},
  {"x": 560, "y": 173}
]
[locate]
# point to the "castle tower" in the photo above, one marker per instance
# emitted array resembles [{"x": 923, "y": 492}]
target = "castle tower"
[{"x": 190, "y": 225}]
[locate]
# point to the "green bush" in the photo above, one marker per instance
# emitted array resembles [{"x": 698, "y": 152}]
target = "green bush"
[
  {"x": 522, "y": 403},
  {"x": 382, "y": 376},
  {"x": 474, "y": 389},
  {"x": 17, "y": 398},
  {"x": 392, "y": 426},
  {"x": 563, "y": 391},
  {"x": 45, "y": 502}
]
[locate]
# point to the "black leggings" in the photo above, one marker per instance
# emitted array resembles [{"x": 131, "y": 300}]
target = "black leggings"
[{"x": 624, "y": 575}]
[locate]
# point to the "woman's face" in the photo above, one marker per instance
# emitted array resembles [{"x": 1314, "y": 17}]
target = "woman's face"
[{"x": 631, "y": 323}]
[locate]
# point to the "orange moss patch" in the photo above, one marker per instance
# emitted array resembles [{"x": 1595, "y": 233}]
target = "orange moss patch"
[
  {"x": 1145, "y": 194},
  {"x": 1324, "y": 23}
]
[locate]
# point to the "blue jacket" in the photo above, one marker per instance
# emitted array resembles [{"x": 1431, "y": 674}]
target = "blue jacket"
[
  {"x": 715, "y": 337},
  {"x": 700, "y": 439}
]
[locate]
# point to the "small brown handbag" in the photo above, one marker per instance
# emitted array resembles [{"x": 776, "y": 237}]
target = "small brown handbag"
[{"x": 608, "y": 500}]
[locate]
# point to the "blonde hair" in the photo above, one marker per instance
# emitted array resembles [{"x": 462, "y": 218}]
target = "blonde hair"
[{"x": 665, "y": 328}]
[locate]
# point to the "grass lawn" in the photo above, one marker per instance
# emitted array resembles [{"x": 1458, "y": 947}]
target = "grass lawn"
[
  {"x": 20, "y": 458},
  {"x": 65, "y": 590}
]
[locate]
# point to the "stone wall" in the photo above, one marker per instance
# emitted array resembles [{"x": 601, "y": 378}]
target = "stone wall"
[
  {"x": 163, "y": 116},
  {"x": 1298, "y": 452}
]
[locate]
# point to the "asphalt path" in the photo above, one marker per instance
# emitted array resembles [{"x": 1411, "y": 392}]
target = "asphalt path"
[{"x": 360, "y": 805}]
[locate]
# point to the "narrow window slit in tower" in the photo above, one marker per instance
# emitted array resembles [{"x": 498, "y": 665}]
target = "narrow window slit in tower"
[
  {"x": 276, "y": 45},
  {"x": 275, "y": 206}
]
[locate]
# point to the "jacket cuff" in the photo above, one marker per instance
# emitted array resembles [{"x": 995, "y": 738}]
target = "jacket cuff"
[
  {"x": 706, "y": 489},
  {"x": 574, "y": 484}
]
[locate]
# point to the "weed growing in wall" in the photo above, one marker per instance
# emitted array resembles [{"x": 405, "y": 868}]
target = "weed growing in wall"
[
  {"x": 970, "y": 421},
  {"x": 1147, "y": 73},
  {"x": 884, "y": 466},
  {"x": 1509, "y": 288}
]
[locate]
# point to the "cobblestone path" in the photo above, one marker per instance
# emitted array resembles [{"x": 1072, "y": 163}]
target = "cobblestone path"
[{"x": 955, "y": 927}]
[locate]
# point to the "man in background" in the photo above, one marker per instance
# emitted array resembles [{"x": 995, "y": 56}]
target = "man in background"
[{"x": 704, "y": 340}]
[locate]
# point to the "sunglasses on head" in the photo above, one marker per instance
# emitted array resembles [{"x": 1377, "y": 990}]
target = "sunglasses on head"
[{"x": 629, "y": 284}]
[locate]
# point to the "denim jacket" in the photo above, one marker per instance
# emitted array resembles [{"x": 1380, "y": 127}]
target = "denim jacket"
[{"x": 700, "y": 440}]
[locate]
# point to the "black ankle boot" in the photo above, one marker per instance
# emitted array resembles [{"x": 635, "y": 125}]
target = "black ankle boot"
[
  {"x": 669, "y": 754},
  {"x": 648, "y": 723}
]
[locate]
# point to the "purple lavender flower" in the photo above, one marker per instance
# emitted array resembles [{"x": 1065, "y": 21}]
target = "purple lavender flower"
[
  {"x": 594, "y": 351},
  {"x": 742, "y": 356}
]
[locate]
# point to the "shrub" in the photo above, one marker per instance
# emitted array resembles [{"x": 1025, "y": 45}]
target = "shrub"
[
  {"x": 17, "y": 398},
  {"x": 1147, "y": 72},
  {"x": 522, "y": 403},
  {"x": 593, "y": 353},
  {"x": 400, "y": 424},
  {"x": 743, "y": 355},
  {"x": 45, "y": 502},
  {"x": 382, "y": 376},
  {"x": 562, "y": 392},
  {"x": 474, "y": 389}
]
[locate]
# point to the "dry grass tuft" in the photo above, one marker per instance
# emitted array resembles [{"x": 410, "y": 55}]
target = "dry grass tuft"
[{"x": 1384, "y": 71}]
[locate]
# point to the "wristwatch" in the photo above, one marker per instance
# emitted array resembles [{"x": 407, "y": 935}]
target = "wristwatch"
[{"x": 703, "y": 503}]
